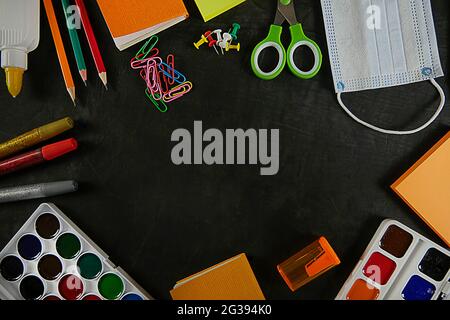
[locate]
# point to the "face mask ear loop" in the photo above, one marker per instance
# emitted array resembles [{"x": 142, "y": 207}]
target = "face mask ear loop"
[{"x": 370, "y": 126}]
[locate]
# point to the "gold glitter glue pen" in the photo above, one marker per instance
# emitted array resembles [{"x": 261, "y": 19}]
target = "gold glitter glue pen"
[{"x": 35, "y": 136}]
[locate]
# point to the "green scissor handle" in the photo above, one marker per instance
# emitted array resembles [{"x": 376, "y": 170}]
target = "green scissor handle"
[
  {"x": 272, "y": 40},
  {"x": 300, "y": 39}
]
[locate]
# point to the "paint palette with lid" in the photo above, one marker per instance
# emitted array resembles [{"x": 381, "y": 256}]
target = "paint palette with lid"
[
  {"x": 50, "y": 258},
  {"x": 399, "y": 264}
]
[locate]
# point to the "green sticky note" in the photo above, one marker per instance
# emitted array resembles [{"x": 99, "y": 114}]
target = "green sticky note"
[{"x": 212, "y": 8}]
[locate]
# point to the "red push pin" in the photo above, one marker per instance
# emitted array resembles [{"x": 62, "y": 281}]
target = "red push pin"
[{"x": 211, "y": 41}]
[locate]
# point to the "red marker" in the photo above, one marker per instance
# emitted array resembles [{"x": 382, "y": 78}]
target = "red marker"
[{"x": 47, "y": 153}]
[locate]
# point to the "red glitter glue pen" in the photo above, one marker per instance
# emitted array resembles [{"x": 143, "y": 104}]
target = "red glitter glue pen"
[{"x": 46, "y": 153}]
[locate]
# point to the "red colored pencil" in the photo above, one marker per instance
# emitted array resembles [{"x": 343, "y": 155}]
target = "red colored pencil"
[{"x": 92, "y": 42}]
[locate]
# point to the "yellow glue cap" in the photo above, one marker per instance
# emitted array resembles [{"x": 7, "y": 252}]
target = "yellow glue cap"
[{"x": 14, "y": 77}]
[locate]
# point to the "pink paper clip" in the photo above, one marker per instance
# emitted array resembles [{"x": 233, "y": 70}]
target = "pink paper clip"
[{"x": 155, "y": 84}]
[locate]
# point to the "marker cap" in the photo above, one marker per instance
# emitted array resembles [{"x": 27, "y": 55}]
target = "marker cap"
[
  {"x": 58, "y": 149},
  {"x": 57, "y": 188}
]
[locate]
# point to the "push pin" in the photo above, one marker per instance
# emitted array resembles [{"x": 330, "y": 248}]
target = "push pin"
[
  {"x": 200, "y": 42},
  {"x": 226, "y": 40},
  {"x": 236, "y": 27},
  {"x": 211, "y": 41},
  {"x": 218, "y": 33},
  {"x": 235, "y": 47}
]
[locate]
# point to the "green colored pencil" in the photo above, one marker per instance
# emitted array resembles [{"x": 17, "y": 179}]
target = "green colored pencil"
[{"x": 75, "y": 43}]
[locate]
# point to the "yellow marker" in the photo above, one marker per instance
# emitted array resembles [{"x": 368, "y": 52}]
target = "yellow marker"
[{"x": 35, "y": 136}]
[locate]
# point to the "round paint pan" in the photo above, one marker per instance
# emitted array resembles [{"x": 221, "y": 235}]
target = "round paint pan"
[
  {"x": 89, "y": 266},
  {"x": 111, "y": 286},
  {"x": 68, "y": 246},
  {"x": 29, "y": 246},
  {"x": 11, "y": 268},
  {"x": 50, "y": 267},
  {"x": 31, "y": 288},
  {"x": 52, "y": 297},
  {"x": 47, "y": 226},
  {"x": 91, "y": 297},
  {"x": 132, "y": 297},
  {"x": 70, "y": 287}
]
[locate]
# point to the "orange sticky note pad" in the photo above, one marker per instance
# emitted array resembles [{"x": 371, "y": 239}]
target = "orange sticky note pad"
[
  {"x": 425, "y": 187},
  {"x": 232, "y": 279}
]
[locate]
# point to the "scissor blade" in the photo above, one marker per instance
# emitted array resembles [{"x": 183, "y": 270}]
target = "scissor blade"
[
  {"x": 279, "y": 18},
  {"x": 287, "y": 12}
]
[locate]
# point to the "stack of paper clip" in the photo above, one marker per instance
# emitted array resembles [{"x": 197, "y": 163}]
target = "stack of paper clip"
[{"x": 164, "y": 83}]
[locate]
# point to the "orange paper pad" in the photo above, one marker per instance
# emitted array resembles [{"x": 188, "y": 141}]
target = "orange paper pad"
[
  {"x": 232, "y": 279},
  {"x": 132, "y": 21},
  {"x": 425, "y": 187}
]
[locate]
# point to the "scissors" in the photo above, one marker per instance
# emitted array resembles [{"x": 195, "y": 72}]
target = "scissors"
[{"x": 286, "y": 12}]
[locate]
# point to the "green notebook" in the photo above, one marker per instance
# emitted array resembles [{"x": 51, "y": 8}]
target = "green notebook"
[{"x": 212, "y": 8}]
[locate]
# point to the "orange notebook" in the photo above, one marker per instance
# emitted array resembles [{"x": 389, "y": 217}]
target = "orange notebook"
[
  {"x": 425, "y": 187},
  {"x": 232, "y": 279},
  {"x": 132, "y": 21}
]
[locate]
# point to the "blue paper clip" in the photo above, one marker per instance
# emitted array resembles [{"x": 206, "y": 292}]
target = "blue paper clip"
[
  {"x": 177, "y": 74},
  {"x": 146, "y": 48},
  {"x": 163, "y": 108}
]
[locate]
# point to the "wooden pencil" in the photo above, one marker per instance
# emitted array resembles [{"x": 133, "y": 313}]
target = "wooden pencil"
[
  {"x": 92, "y": 42},
  {"x": 75, "y": 41},
  {"x": 62, "y": 57}
]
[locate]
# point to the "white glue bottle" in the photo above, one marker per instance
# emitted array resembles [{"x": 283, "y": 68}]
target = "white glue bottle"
[{"x": 19, "y": 34}]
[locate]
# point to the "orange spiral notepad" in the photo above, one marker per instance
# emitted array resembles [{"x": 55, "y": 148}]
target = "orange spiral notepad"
[
  {"x": 132, "y": 21},
  {"x": 425, "y": 187},
  {"x": 232, "y": 279}
]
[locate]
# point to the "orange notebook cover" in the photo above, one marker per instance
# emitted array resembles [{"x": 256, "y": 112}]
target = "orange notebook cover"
[
  {"x": 232, "y": 279},
  {"x": 131, "y": 21},
  {"x": 425, "y": 187}
]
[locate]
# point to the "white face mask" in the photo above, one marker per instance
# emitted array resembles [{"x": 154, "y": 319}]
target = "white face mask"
[{"x": 381, "y": 43}]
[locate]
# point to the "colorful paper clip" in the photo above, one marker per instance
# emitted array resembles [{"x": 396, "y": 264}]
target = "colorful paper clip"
[
  {"x": 177, "y": 91},
  {"x": 164, "y": 82},
  {"x": 162, "y": 108},
  {"x": 147, "y": 48}
]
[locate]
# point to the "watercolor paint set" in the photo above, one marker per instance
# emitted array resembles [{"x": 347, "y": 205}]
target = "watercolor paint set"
[
  {"x": 399, "y": 264},
  {"x": 50, "y": 258}
]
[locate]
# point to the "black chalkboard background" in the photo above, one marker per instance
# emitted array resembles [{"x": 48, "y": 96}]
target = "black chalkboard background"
[{"x": 161, "y": 222}]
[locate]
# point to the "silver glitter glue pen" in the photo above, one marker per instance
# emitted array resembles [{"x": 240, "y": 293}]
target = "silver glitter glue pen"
[{"x": 36, "y": 191}]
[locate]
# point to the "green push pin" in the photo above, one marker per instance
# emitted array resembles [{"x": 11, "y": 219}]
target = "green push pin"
[{"x": 236, "y": 27}]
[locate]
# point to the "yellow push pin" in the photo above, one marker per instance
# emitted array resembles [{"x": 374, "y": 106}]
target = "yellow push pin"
[
  {"x": 203, "y": 40},
  {"x": 235, "y": 47}
]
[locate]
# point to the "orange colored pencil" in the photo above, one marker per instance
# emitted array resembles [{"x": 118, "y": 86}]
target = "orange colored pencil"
[{"x": 62, "y": 57}]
